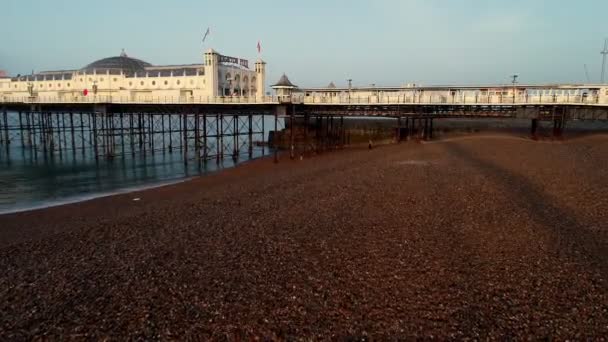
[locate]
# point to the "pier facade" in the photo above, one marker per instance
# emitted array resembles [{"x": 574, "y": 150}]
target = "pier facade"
[{"x": 126, "y": 79}]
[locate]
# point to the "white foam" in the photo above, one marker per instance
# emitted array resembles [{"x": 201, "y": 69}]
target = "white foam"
[{"x": 84, "y": 198}]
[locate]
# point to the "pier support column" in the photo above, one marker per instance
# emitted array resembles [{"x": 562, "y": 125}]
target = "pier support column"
[
  {"x": 398, "y": 131},
  {"x": 275, "y": 137},
  {"x": 306, "y": 143},
  {"x": 558, "y": 125},
  {"x": 534, "y": 129},
  {"x": 291, "y": 135},
  {"x": 5, "y": 127},
  {"x": 185, "y": 133},
  {"x": 250, "y": 134},
  {"x": 235, "y": 138},
  {"x": 342, "y": 132},
  {"x": 205, "y": 150}
]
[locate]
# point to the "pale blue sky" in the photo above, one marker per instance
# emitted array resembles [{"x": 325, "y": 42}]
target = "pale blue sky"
[{"x": 389, "y": 42}]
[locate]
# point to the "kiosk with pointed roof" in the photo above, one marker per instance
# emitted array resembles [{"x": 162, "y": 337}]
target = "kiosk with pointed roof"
[{"x": 284, "y": 89}]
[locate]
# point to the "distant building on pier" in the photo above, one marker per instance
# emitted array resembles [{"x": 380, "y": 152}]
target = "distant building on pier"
[{"x": 131, "y": 79}]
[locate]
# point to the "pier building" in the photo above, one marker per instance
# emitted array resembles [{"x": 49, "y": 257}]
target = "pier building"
[{"x": 126, "y": 79}]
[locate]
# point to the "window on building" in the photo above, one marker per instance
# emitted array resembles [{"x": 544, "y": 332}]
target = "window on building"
[
  {"x": 50, "y": 85},
  {"x": 153, "y": 82},
  {"x": 142, "y": 83},
  {"x": 115, "y": 79},
  {"x": 130, "y": 84},
  {"x": 177, "y": 82},
  {"x": 90, "y": 79},
  {"x": 101, "y": 79},
  {"x": 68, "y": 85},
  {"x": 58, "y": 85},
  {"x": 166, "y": 82},
  {"x": 191, "y": 81}
]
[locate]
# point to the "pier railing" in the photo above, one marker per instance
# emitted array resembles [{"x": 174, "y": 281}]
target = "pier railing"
[
  {"x": 329, "y": 100},
  {"x": 459, "y": 100},
  {"x": 104, "y": 99}
]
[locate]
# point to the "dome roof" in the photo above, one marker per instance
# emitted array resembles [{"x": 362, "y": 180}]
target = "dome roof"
[{"x": 123, "y": 63}]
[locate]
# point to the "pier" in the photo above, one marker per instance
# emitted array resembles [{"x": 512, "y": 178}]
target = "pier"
[{"x": 206, "y": 130}]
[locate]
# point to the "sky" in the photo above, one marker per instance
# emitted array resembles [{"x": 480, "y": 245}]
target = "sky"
[{"x": 382, "y": 42}]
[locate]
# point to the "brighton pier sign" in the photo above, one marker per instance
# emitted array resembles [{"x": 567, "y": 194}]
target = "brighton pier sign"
[{"x": 234, "y": 60}]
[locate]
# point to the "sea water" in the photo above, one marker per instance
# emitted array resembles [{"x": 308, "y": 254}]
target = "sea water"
[{"x": 30, "y": 178}]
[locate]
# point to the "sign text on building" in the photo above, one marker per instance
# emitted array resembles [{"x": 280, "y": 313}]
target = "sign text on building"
[{"x": 234, "y": 60}]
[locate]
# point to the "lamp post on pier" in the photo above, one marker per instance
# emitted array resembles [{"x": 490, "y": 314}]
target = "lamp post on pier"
[
  {"x": 514, "y": 81},
  {"x": 350, "y": 85}
]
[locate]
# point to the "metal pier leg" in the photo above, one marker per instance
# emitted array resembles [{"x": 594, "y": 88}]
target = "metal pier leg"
[
  {"x": 263, "y": 135},
  {"x": 72, "y": 128},
  {"x": 185, "y": 133},
  {"x": 250, "y": 134},
  {"x": 95, "y": 135},
  {"x": 65, "y": 141},
  {"x": 197, "y": 142},
  {"x": 163, "y": 131},
  {"x": 122, "y": 134},
  {"x": 430, "y": 128},
  {"x": 21, "y": 130},
  {"x": 235, "y": 137},
  {"x": 151, "y": 132},
  {"x": 534, "y": 129},
  {"x": 205, "y": 138},
  {"x": 6, "y": 137},
  {"x": 342, "y": 132},
  {"x": 275, "y": 137},
  {"x": 398, "y": 133},
  {"x": 131, "y": 134},
  {"x": 306, "y": 143},
  {"x": 221, "y": 137},
  {"x": 218, "y": 149},
  {"x": 170, "y": 134},
  {"x": 291, "y": 135}
]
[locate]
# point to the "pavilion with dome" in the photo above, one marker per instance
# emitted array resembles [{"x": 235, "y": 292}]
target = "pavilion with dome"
[{"x": 127, "y": 78}]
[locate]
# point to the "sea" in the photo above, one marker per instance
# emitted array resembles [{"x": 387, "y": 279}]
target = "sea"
[{"x": 32, "y": 179}]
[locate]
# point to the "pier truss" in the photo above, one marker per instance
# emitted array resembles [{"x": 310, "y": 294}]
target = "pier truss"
[
  {"x": 212, "y": 132},
  {"x": 200, "y": 135}
]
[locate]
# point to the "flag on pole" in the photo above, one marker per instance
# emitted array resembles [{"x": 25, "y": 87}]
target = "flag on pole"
[
  {"x": 206, "y": 34},
  {"x": 259, "y": 47}
]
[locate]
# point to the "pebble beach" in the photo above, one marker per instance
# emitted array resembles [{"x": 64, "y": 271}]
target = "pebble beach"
[{"x": 483, "y": 237}]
